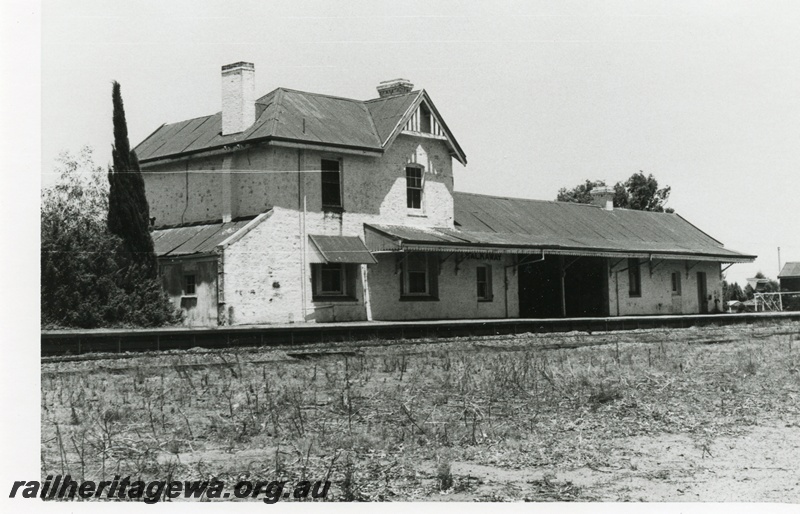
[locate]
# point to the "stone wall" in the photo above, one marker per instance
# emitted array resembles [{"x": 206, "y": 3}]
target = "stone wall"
[
  {"x": 265, "y": 176},
  {"x": 657, "y": 297},
  {"x": 457, "y": 295}
]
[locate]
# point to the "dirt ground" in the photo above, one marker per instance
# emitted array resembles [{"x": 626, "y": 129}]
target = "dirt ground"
[
  {"x": 760, "y": 466},
  {"x": 692, "y": 415}
]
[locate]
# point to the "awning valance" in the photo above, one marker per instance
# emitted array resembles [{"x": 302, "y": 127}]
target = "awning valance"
[{"x": 339, "y": 249}]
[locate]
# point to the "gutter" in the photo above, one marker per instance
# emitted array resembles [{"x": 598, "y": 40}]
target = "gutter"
[
  {"x": 277, "y": 141},
  {"x": 459, "y": 247}
]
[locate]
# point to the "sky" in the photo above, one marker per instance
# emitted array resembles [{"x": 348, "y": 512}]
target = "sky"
[{"x": 540, "y": 95}]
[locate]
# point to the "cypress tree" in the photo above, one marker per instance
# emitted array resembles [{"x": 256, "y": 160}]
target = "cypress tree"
[{"x": 128, "y": 211}]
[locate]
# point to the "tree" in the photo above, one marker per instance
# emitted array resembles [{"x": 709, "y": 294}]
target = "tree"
[
  {"x": 84, "y": 268},
  {"x": 128, "y": 211},
  {"x": 638, "y": 192},
  {"x": 732, "y": 292},
  {"x": 579, "y": 193},
  {"x": 644, "y": 194},
  {"x": 770, "y": 287}
]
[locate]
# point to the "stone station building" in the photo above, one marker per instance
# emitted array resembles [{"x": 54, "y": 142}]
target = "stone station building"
[{"x": 302, "y": 207}]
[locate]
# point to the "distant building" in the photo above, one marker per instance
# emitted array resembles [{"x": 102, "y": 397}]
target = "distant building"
[
  {"x": 302, "y": 207},
  {"x": 789, "y": 276},
  {"x": 758, "y": 285}
]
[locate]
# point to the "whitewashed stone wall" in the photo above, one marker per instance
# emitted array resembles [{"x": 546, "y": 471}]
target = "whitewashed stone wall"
[
  {"x": 657, "y": 297},
  {"x": 265, "y": 273},
  {"x": 458, "y": 295}
]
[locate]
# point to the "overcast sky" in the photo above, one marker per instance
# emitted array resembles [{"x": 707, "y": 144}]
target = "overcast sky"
[{"x": 541, "y": 95}]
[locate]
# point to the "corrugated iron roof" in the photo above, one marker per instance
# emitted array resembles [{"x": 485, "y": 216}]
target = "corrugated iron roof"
[
  {"x": 387, "y": 112},
  {"x": 790, "y": 270},
  {"x": 343, "y": 249},
  {"x": 282, "y": 114},
  {"x": 569, "y": 224},
  {"x": 297, "y": 116},
  {"x": 194, "y": 239},
  {"x": 490, "y": 221}
]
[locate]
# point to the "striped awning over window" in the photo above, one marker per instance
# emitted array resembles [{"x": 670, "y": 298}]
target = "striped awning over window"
[{"x": 339, "y": 249}]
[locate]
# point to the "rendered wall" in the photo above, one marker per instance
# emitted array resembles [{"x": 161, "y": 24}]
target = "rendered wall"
[
  {"x": 657, "y": 297},
  {"x": 458, "y": 297},
  {"x": 184, "y": 191},
  {"x": 267, "y": 280},
  {"x": 266, "y": 276},
  {"x": 263, "y": 176}
]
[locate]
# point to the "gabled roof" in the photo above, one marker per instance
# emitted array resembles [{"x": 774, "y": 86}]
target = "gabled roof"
[
  {"x": 387, "y": 113},
  {"x": 565, "y": 224},
  {"x": 790, "y": 270},
  {"x": 297, "y": 116},
  {"x": 515, "y": 225}
]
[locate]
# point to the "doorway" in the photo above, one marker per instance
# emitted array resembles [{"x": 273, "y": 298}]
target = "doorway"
[
  {"x": 585, "y": 287},
  {"x": 702, "y": 292}
]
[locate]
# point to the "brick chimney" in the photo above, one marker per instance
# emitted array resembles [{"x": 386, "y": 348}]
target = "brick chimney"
[
  {"x": 394, "y": 87},
  {"x": 603, "y": 196},
  {"x": 238, "y": 97}
]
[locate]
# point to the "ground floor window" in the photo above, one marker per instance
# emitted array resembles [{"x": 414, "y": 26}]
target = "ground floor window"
[
  {"x": 333, "y": 280},
  {"x": 634, "y": 278},
  {"x": 419, "y": 276},
  {"x": 484, "y": 282},
  {"x": 676, "y": 283}
]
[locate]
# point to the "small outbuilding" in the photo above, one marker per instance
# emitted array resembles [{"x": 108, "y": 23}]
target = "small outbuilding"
[{"x": 789, "y": 277}]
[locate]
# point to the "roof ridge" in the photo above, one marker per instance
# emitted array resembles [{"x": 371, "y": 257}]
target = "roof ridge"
[
  {"x": 372, "y": 123},
  {"x": 571, "y": 203},
  {"x": 187, "y": 120},
  {"x": 285, "y": 89},
  {"x": 529, "y": 199},
  {"x": 416, "y": 91}
]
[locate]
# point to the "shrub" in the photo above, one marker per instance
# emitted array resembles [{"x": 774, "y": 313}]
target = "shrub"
[{"x": 86, "y": 279}]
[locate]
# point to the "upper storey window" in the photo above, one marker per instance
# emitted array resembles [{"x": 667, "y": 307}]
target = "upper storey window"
[
  {"x": 414, "y": 187},
  {"x": 331, "y": 184}
]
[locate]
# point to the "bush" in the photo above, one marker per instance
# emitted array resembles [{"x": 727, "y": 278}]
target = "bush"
[{"x": 87, "y": 280}]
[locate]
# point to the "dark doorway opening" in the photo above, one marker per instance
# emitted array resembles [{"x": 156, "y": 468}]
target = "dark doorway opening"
[
  {"x": 540, "y": 289},
  {"x": 585, "y": 287},
  {"x": 702, "y": 292}
]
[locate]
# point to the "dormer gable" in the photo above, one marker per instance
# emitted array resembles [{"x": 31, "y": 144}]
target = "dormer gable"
[{"x": 422, "y": 119}]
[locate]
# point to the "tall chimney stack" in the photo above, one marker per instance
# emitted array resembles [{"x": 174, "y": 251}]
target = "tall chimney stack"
[
  {"x": 603, "y": 196},
  {"x": 238, "y": 97}
]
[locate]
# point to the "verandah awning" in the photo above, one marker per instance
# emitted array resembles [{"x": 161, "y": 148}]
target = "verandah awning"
[
  {"x": 338, "y": 250},
  {"x": 389, "y": 239}
]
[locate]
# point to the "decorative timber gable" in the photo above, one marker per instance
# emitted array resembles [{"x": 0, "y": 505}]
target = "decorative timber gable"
[{"x": 422, "y": 119}]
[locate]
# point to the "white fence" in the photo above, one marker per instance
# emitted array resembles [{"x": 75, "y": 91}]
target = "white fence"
[{"x": 776, "y": 302}]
